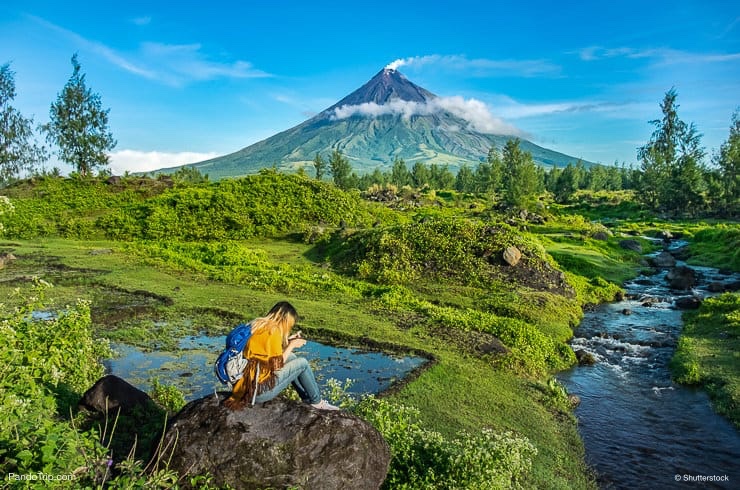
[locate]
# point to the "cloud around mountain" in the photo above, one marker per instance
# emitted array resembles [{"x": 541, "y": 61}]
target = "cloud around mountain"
[{"x": 474, "y": 112}]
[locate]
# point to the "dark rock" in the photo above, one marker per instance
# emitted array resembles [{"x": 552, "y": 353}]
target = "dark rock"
[
  {"x": 113, "y": 180},
  {"x": 600, "y": 235},
  {"x": 682, "y": 253},
  {"x": 633, "y": 245},
  {"x": 512, "y": 255},
  {"x": 649, "y": 301},
  {"x": 688, "y": 302},
  {"x": 626, "y": 311},
  {"x": 619, "y": 296},
  {"x": 110, "y": 393},
  {"x": 585, "y": 358},
  {"x": 716, "y": 287},
  {"x": 278, "y": 444},
  {"x": 682, "y": 277},
  {"x": 732, "y": 286},
  {"x": 663, "y": 260},
  {"x": 494, "y": 346}
]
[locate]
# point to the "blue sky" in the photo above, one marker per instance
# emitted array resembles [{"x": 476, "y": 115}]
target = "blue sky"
[{"x": 186, "y": 81}]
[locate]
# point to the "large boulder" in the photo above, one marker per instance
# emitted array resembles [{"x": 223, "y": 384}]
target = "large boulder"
[
  {"x": 682, "y": 278},
  {"x": 663, "y": 260},
  {"x": 278, "y": 444},
  {"x": 110, "y": 393}
]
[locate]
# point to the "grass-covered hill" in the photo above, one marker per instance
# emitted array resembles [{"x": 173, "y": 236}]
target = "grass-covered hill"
[{"x": 160, "y": 259}]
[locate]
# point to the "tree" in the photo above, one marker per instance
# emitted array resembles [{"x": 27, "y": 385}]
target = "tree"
[
  {"x": 521, "y": 180},
  {"x": 340, "y": 170},
  {"x": 465, "y": 180},
  {"x": 672, "y": 173},
  {"x": 79, "y": 126},
  {"x": 400, "y": 175},
  {"x": 569, "y": 181},
  {"x": 420, "y": 175},
  {"x": 18, "y": 149},
  {"x": 728, "y": 161},
  {"x": 319, "y": 165}
]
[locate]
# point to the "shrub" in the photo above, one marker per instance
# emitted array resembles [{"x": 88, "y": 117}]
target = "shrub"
[{"x": 425, "y": 459}]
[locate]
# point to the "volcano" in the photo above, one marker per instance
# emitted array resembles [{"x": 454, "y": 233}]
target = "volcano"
[{"x": 389, "y": 117}]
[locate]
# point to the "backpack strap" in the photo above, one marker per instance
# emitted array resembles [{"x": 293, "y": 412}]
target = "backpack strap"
[{"x": 256, "y": 383}]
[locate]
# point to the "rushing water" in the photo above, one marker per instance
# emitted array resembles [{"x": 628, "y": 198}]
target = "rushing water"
[
  {"x": 191, "y": 368},
  {"x": 640, "y": 429}
]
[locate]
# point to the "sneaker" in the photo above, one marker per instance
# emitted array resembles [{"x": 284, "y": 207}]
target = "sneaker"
[{"x": 324, "y": 405}]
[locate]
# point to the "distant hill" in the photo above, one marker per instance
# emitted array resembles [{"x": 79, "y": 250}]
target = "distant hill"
[{"x": 387, "y": 118}]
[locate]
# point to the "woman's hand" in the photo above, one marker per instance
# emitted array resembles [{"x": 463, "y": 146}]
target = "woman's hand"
[{"x": 296, "y": 342}]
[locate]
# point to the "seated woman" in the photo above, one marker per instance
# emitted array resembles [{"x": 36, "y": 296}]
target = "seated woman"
[{"x": 271, "y": 364}]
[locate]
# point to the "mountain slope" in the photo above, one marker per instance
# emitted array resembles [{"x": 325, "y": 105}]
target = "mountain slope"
[{"x": 387, "y": 118}]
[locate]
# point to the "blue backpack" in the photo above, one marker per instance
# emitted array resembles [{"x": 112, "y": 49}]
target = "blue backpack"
[{"x": 230, "y": 364}]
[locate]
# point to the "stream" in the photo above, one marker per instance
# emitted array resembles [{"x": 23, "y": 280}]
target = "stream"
[{"x": 640, "y": 429}]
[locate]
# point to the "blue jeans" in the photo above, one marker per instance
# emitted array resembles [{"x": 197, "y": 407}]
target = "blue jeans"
[{"x": 296, "y": 371}]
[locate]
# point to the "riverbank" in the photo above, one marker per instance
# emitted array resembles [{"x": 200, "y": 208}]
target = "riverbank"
[{"x": 708, "y": 353}]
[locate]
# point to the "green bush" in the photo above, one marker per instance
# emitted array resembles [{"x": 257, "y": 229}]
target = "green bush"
[{"x": 424, "y": 459}]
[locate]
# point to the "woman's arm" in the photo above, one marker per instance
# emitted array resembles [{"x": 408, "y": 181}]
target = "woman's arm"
[{"x": 294, "y": 343}]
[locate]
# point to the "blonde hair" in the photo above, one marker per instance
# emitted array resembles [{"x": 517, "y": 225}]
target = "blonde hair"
[{"x": 282, "y": 317}]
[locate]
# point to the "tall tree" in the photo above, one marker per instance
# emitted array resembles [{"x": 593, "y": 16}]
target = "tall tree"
[
  {"x": 79, "y": 125},
  {"x": 672, "y": 173},
  {"x": 319, "y": 164},
  {"x": 420, "y": 175},
  {"x": 340, "y": 170},
  {"x": 400, "y": 175},
  {"x": 521, "y": 180},
  {"x": 18, "y": 150},
  {"x": 728, "y": 161},
  {"x": 465, "y": 180}
]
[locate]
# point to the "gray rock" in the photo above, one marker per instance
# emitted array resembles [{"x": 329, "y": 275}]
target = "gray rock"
[
  {"x": 512, "y": 255},
  {"x": 278, "y": 444},
  {"x": 688, "y": 302},
  {"x": 600, "y": 235},
  {"x": 682, "y": 278},
  {"x": 110, "y": 393},
  {"x": 633, "y": 245},
  {"x": 664, "y": 260}
]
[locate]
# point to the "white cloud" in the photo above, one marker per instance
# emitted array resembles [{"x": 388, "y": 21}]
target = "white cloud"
[
  {"x": 171, "y": 64},
  {"x": 480, "y": 66},
  {"x": 146, "y": 161},
  {"x": 661, "y": 55},
  {"x": 473, "y": 111}
]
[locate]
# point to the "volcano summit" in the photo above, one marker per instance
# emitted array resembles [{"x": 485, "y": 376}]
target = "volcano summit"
[{"x": 387, "y": 118}]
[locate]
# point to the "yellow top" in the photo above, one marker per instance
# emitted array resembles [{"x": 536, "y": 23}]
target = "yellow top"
[{"x": 264, "y": 349}]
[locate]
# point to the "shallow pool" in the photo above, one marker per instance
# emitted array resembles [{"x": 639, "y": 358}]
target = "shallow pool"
[{"x": 191, "y": 368}]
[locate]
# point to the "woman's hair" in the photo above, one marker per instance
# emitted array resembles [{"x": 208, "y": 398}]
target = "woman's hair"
[{"x": 281, "y": 317}]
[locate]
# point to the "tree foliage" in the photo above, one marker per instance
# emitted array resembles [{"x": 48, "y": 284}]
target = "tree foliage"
[
  {"x": 340, "y": 169},
  {"x": 728, "y": 161},
  {"x": 18, "y": 149},
  {"x": 521, "y": 180},
  {"x": 79, "y": 125},
  {"x": 319, "y": 165},
  {"x": 672, "y": 173}
]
